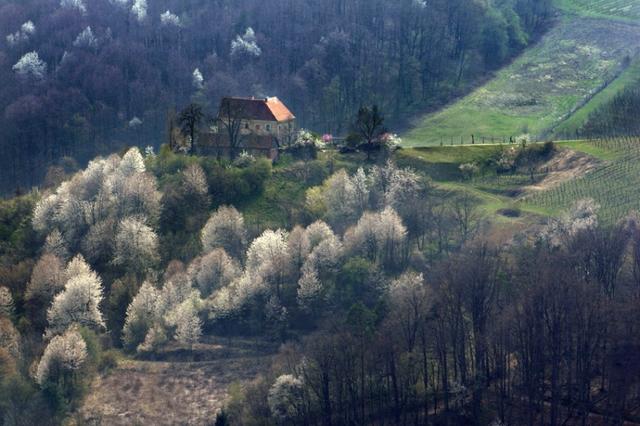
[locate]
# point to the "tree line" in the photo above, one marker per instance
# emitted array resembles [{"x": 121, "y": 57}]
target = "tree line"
[{"x": 85, "y": 78}]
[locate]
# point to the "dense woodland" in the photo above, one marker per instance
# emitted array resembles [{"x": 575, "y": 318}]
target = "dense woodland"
[
  {"x": 82, "y": 78},
  {"x": 391, "y": 299}
]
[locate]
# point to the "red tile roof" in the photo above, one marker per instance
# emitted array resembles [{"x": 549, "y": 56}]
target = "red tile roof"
[{"x": 266, "y": 109}]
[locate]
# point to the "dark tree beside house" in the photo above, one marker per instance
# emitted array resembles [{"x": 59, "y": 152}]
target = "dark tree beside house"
[
  {"x": 369, "y": 127},
  {"x": 230, "y": 117},
  {"x": 190, "y": 119}
]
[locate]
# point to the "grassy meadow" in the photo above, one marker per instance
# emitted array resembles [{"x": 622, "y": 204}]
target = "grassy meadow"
[{"x": 551, "y": 87}]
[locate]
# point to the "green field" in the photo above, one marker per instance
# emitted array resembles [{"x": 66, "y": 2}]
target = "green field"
[
  {"x": 630, "y": 77},
  {"x": 610, "y": 9},
  {"x": 549, "y": 83}
]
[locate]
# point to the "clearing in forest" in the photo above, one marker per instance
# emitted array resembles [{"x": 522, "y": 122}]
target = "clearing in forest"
[
  {"x": 577, "y": 59},
  {"x": 180, "y": 387}
]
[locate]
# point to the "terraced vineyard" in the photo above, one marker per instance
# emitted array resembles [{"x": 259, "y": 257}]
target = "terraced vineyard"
[{"x": 615, "y": 185}]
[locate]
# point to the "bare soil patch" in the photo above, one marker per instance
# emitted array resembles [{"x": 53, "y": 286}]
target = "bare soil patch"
[{"x": 563, "y": 166}]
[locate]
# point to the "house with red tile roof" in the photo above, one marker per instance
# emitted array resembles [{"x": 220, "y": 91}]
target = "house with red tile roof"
[{"x": 258, "y": 126}]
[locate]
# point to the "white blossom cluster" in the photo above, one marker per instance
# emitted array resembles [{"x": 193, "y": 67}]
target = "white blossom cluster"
[
  {"x": 156, "y": 316},
  {"x": 30, "y": 65},
  {"x": 106, "y": 212},
  {"x": 197, "y": 79},
  {"x": 22, "y": 35},
  {"x": 342, "y": 199},
  {"x": 78, "y": 303},
  {"x": 246, "y": 44},
  {"x": 582, "y": 216},
  {"x": 169, "y": 19},
  {"x": 64, "y": 353},
  {"x": 74, "y": 4},
  {"x": 379, "y": 236},
  {"x": 6, "y": 303},
  {"x": 86, "y": 39},
  {"x": 285, "y": 398},
  {"x": 139, "y": 10},
  {"x": 225, "y": 229}
]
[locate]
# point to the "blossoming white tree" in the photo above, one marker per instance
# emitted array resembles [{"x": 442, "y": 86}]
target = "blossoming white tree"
[
  {"x": 74, "y": 4},
  {"x": 246, "y": 44},
  {"x": 64, "y": 354},
  {"x": 198, "y": 79},
  {"x": 268, "y": 260},
  {"x": 136, "y": 245},
  {"x": 86, "y": 39},
  {"x": 47, "y": 279},
  {"x": 379, "y": 237},
  {"x": 213, "y": 271},
  {"x": 22, "y": 35},
  {"x": 225, "y": 229},
  {"x": 139, "y": 10},
  {"x": 6, "y": 303},
  {"x": 30, "y": 65},
  {"x": 285, "y": 398},
  {"x": 141, "y": 315},
  {"x": 169, "y": 19},
  {"x": 79, "y": 302}
]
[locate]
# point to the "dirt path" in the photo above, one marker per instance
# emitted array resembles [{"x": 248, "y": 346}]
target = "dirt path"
[{"x": 182, "y": 388}]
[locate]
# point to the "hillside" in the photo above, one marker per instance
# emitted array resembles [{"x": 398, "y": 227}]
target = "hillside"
[
  {"x": 85, "y": 78},
  {"x": 588, "y": 48}
]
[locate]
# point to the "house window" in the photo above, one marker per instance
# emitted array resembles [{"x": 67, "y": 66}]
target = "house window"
[
  {"x": 246, "y": 126},
  {"x": 257, "y": 127},
  {"x": 268, "y": 127}
]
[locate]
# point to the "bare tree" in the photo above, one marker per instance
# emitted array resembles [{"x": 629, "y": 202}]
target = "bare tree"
[
  {"x": 369, "y": 126},
  {"x": 230, "y": 117},
  {"x": 189, "y": 119}
]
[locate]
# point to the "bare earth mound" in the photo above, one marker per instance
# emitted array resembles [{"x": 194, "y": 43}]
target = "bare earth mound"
[
  {"x": 173, "y": 392},
  {"x": 565, "y": 165}
]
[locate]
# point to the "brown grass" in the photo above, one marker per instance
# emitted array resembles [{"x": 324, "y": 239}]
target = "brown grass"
[{"x": 175, "y": 389}]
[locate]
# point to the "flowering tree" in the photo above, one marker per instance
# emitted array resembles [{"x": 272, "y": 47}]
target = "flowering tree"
[
  {"x": 213, "y": 271},
  {"x": 30, "y": 65},
  {"x": 136, "y": 245},
  {"x": 6, "y": 303},
  {"x": 139, "y": 10},
  {"x": 379, "y": 237},
  {"x": 410, "y": 302},
  {"x": 156, "y": 316},
  {"x": 246, "y": 44},
  {"x": 310, "y": 289},
  {"x": 225, "y": 229},
  {"x": 86, "y": 39},
  {"x": 141, "y": 315},
  {"x": 184, "y": 318},
  {"x": 79, "y": 302},
  {"x": 78, "y": 5},
  {"x": 582, "y": 216},
  {"x": 268, "y": 260},
  {"x": 169, "y": 19},
  {"x": 22, "y": 35},
  {"x": 197, "y": 79},
  {"x": 48, "y": 278},
  {"x": 64, "y": 355},
  {"x": 339, "y": 196},
  {"x": 56, "y": 245},
  {"x": 285, "y": 398}
]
